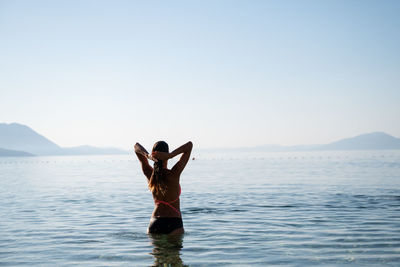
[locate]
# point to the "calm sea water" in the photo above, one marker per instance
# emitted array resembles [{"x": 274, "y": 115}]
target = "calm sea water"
[{"x": 292, "y": 209}]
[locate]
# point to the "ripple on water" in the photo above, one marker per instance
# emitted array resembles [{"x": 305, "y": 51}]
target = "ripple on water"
[{"x": 296, "y": 210}]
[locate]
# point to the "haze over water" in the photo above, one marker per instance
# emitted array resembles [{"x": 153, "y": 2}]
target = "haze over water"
[
  {"x": 243, "y": 209},
  {"x": 219, "y": 73}
]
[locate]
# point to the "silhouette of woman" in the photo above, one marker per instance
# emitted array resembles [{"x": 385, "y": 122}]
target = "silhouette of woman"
[{"x": 164, "y": 185}]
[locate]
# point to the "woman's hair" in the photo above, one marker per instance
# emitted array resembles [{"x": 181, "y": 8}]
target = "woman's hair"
[{"x": 157, "y": 183}]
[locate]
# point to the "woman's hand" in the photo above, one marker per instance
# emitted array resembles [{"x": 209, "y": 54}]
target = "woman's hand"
[
  {"x": 151, "y": 157},
  {"x": 161, "y": 155},
  {"x": 139, "y": 149}
]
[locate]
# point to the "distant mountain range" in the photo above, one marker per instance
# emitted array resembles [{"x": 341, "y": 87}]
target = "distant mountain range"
[
  {"x": 369, "y": 141},
  {"x": 20, "y": 140}
]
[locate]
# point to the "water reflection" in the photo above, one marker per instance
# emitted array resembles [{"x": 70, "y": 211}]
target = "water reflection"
[{"x": 167, "y": 249}]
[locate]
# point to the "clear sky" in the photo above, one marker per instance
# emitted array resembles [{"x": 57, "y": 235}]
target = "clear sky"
[{"x": 219, "y": 73}]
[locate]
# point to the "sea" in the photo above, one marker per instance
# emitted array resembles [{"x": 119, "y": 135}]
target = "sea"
[{"x": 332, "y": 208}]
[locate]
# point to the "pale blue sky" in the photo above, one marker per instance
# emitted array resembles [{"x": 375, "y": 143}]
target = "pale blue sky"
[{"x": 219, "y": 73}]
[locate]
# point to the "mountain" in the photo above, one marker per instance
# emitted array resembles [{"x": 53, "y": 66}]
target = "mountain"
[
  {"x": 19, "y": 137},
  {"x": 376, "y": 140},
  {"x": 16, "y": 136},
  {"x": 13, "y": 153},
  {"x": 370, "y": 141}
]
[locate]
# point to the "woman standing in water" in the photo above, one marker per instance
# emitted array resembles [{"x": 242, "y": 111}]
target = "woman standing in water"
[{"x": 164, "y": 185}]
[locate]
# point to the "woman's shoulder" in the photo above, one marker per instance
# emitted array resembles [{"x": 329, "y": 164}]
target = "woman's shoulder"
[
  {"x": 172, "y": 178},
  {"x": 169, "y": 172}
]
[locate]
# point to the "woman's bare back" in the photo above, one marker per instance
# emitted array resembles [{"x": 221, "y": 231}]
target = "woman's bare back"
[{"x": 168, "y": 205}]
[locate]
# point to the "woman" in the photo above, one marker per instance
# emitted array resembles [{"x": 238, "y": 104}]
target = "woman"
[{"x": 164, "y": 185}]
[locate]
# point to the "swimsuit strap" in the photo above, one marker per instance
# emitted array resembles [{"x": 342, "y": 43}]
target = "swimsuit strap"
[
  {"x": 169, "y": 203},
  {"x": 178, "y": 195}
]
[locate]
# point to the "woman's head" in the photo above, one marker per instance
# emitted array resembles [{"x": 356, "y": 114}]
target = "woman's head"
[
  {"x": 157, "y": 183},
  {"x": 160, "y": 146}
]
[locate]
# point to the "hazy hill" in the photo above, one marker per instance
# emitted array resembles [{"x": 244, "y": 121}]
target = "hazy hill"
[
  {"x": 376, "y": 140},
  {"x": 19, "y": 137},
  {"x": 370, "y": 141},
  {"x": 13, "y": 153}
]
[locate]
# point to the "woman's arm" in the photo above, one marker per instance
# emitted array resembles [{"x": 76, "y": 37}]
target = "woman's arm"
[
  {"x": 143, "y": 155},
  {"x": 139, "y": 149},
  {"x": 185, "y": 150}
]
